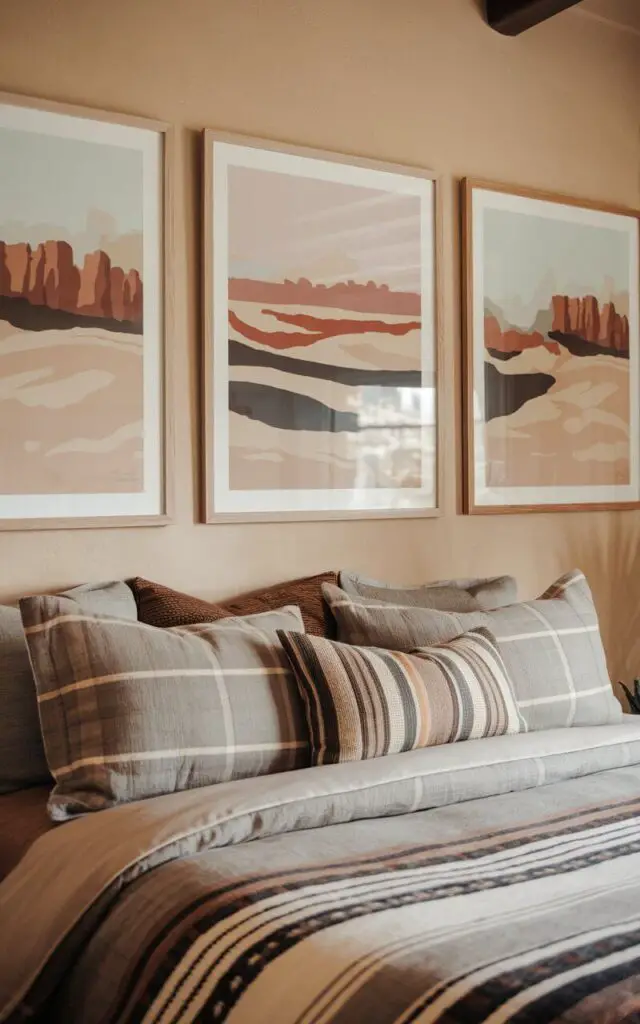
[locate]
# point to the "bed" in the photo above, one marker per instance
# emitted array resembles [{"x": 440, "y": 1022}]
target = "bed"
[
  {"x": 494, "y": 880},
  {"x": 428, "y": 812}
]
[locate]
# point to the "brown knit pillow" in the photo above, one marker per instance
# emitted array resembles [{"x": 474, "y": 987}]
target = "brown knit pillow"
[{"x": 163, "y": 607}]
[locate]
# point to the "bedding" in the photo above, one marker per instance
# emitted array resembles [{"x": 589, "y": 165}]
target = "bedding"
[
  {"x": 22, "y": 757},
  {"x": 488, "y": 593},
  {"x": 161, "y": 606},
  {"x": 496, "y": 880},
  {"x": 551, "y": 647},
  {"x": 130, "y": 711},
  {"x": 23, "y": 819},
  {"x": 365, "y": 702}
]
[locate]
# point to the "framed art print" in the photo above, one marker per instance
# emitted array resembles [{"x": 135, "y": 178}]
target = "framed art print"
[
  {"x": 82, "y": 317},
  {"x": 320, "y": 335},
  {"x": 552, "y": 372}
]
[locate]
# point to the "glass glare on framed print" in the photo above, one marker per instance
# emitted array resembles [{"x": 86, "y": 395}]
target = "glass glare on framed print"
[
  {"x": 81, "y": 317},
  {"x": 552, "y": 372},
  {"x": 320, "y": 335}
]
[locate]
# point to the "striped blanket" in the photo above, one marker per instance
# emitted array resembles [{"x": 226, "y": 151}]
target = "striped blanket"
[{"x": 495, "y": 880}]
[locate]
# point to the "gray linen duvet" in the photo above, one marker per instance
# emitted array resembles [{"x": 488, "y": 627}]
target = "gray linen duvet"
[{"x": 494, "y": 880}]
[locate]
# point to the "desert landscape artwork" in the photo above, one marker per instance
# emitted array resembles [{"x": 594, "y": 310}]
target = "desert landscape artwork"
[
  {"x": 324, "y": 364},
  {"x": 553, "y": 334},
  {"x": 74, "y": 336}
]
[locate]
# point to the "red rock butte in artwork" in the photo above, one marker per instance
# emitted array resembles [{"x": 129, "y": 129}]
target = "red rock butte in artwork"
[
  {"x": 47, "y": 276},
  {"x": 586, "y": 319},
  {"x": 581, "y": 321}
]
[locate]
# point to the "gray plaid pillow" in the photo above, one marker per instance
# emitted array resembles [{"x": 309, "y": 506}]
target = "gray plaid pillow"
[
  {"x": 551, "y": 647},
  {"x": 130, "y": 711},
  {"x": 22, "y": 759}
]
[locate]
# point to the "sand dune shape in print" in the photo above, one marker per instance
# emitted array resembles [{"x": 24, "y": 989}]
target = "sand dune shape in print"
[
  {"x": 538, "y": 359},
  {"x": 317, "y": 400},
  {"x": 100, "y": 445},
  {"x": 15, "y": 341},
  {"x": 267, "y": 458},
  {"x": 575, "y": 434},
  {"x": 56, "y": 394},
  {"x": 70, "y": 412},
  {"x": 255, "y": 351},
  {"x": 378, "y": 350},
  {"x": 317, "y": 328}
]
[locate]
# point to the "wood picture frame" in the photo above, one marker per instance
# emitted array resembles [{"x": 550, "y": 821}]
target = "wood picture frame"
[
  {"x": 95, "y": 332},
  {"x": 274, "y": 383},
  {"x": 551, "y": 379}
]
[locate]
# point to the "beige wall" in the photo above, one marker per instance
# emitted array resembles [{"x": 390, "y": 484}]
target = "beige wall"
[{"x": 421, "y": 82}]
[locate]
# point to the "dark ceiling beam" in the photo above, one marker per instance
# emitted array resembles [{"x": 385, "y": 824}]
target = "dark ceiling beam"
[{"x": 511, "y": 17}]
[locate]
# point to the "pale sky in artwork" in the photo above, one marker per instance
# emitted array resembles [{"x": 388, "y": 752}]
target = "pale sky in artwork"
[
  {"x": 85, "y": 193},
  {"x": 284, "y": 226},
  {"x": 527, "y": 259}
]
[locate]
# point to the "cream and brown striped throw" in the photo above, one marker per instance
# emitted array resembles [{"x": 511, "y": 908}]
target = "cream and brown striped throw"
[
  {"x": 364, "y": 702},
  {"x": 131, "y": 711}
]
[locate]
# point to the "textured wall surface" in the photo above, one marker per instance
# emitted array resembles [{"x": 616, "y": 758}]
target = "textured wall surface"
[{"x": 420, "y": 82}]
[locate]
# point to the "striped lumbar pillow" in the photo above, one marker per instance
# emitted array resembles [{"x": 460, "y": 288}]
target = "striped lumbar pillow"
[
  {"x": 364, "y": 702},
  {"x": 130, "y": 711}
]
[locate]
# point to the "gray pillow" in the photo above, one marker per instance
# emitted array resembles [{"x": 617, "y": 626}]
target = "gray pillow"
[
  {"x": 22, "y": 759},
  {"x": 452, "y": 595},
  {"x": 551, "y": 647},
  {"x": 130, "y": 711},
  {"x": 368, "y": 622}
]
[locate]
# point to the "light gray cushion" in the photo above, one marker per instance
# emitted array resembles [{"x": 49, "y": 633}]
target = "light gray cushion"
[
  {"x": 551, "y": 647},
  {"x": 369, "y": 622},
  {"x": 449, "y": 595},
  {"x": 130, "y": 711},
  {"x": 22, "y": 758}
]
